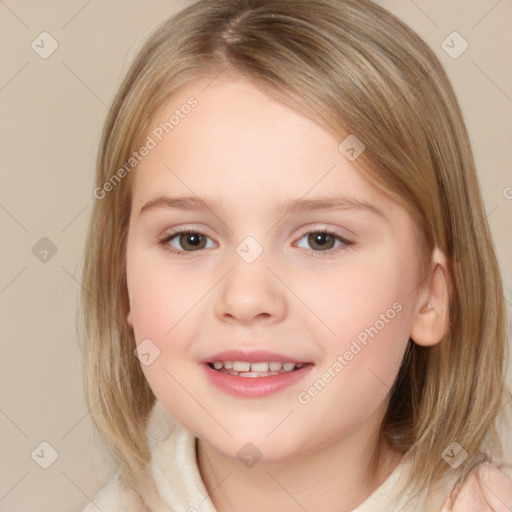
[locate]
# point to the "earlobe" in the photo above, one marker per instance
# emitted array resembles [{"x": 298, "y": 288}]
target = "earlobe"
[
  {"x": 129, "y": 319},
  {"x": 432, "y": 319}
]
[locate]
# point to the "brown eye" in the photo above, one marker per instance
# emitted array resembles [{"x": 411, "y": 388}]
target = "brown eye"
[
  {"x": 324, "y": 242},
  {"x": 192, "y": 240},
  {"x": 185, "y": 241}
]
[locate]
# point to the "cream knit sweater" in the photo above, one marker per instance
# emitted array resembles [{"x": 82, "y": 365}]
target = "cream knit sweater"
[{"x": 174, "y": 483}]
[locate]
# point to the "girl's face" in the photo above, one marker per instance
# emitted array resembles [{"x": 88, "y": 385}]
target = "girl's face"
[{"x": 253, "y": 278}]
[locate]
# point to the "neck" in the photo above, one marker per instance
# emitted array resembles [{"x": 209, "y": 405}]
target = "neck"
[{"x": 342, "y": 474}]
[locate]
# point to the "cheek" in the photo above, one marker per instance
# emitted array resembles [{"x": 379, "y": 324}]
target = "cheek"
[
  {"x": 369, "y": 306},
  {"x": 160, "y": 302},
  {"x": 164, "y": 305},
  {"x": 160, "y": 296},
  {"x": 361, "y": 363},
  {"x": 364, "y": 294}
]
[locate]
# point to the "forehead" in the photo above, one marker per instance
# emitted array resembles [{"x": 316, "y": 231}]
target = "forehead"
[{"x": 240, "y": 144}]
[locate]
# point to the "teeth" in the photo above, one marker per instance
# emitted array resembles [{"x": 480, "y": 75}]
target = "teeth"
[
  {"x": 238, "y": 366},
  {"x": 260, "y": 369}
]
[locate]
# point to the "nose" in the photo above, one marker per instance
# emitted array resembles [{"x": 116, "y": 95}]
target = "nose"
[{"x": 250, "y": 293}]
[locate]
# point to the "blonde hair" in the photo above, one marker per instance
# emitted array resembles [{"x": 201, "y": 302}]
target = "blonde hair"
[{"x": 352, "y": 67}]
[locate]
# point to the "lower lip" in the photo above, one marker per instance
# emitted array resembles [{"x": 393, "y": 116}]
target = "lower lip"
[{"x": 254, "y": 387}]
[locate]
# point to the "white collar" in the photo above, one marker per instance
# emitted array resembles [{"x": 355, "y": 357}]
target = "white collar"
[{"x": 179, "y": 483}]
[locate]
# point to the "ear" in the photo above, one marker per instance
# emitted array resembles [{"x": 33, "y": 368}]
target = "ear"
[
  {"x": 129, "y": 319},
  {"x": 432, "y": 317}
]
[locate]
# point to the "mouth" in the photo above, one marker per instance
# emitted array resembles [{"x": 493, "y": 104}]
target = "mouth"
[
  {"x": 256, "y": 369},
  {"x": 254, "y": 373}
]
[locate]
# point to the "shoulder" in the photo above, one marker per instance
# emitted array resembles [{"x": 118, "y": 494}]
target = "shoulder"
[
  {"x": 115, "y": 497},
  {"x": 487, "y": 488},
  {"x": 163, "y": 435},
  {"x": 107, "y": 499}
]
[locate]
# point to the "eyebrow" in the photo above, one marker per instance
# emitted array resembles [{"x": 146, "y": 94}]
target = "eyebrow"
[{"x": 300, "y": 205}]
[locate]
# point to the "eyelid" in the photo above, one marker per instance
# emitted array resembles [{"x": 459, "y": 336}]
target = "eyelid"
[
  {"x": 346, "y": 243},
  {"x": 167, "y": 237},
  {"x": 323, "y": 229}
]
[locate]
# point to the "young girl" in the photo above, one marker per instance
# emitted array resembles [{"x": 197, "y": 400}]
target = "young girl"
[{"x": 292, "y": 301}]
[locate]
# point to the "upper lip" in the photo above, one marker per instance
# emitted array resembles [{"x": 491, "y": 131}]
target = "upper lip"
[{"x": 253, "y": 356}]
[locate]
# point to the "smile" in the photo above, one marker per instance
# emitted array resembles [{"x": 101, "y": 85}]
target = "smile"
[
  {"x": 259, "y": 369},
  {"x": 254, "y": 380}
]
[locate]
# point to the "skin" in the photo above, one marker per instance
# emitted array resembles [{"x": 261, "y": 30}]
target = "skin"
[{"x": 242, "y": 147}]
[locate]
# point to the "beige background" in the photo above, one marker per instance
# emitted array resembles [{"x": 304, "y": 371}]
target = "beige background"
[{"x": 52, "y": 114}]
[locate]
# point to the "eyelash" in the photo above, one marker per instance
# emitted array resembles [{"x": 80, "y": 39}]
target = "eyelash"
[{"x": 164, "y": 242}]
